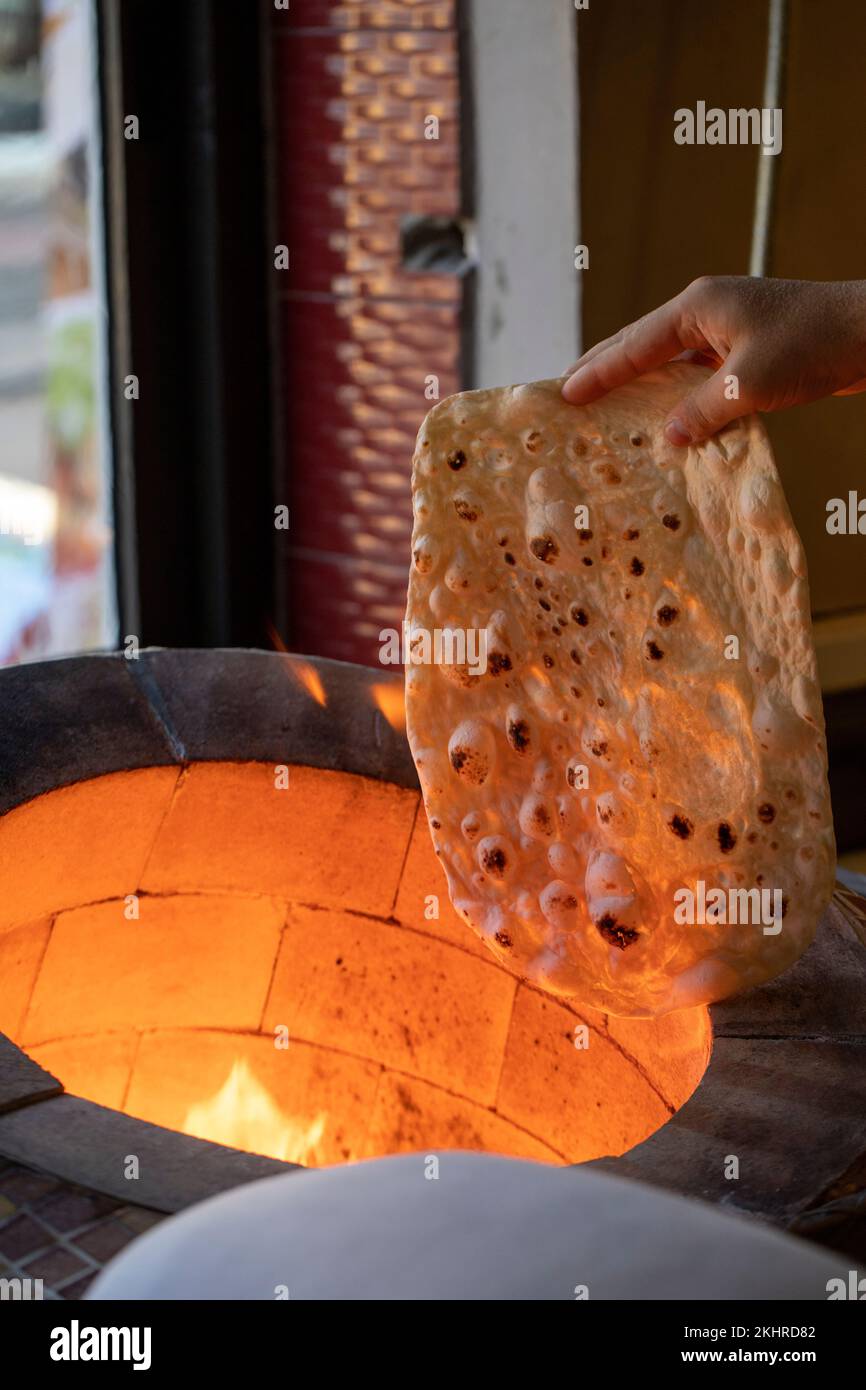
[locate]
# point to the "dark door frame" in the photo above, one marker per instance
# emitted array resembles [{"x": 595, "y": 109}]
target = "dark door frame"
[{"x": 190, "y": 266}]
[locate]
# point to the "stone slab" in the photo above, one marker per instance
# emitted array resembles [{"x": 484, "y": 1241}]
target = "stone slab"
[
  {"x": 90, "y": 1145},
  {"x": 22, "y": 1081},
  {"x": 66, "y": 720}
]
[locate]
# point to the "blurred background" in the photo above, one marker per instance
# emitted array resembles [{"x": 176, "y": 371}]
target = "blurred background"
[{"x": 245, "y": 247}]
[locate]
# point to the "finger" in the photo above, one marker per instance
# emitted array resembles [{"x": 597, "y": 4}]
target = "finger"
[
  {"x": 601, "y": 346},
  {"x": 705, "y": 410},
  {"x": 646, "y": 344}
]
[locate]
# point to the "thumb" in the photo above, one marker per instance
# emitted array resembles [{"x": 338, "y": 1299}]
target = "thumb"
[{"x": 705, "y": 410}]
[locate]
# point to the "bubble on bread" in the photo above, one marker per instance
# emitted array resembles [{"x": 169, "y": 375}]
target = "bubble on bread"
[{"x": 648, "y": 718}]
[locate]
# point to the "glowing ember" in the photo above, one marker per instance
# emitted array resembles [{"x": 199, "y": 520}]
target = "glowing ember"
[
  {"x": 243, "y": 1115},
  {"x": 390, "y": 700}
]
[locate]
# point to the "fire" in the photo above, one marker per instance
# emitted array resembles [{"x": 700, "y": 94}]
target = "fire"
[
  {"x": 243, "y": 1115},
  {"x": 309, "y": 679},
  {"x": 305, "y": 675},
  {"x": 390, "y": 700}
]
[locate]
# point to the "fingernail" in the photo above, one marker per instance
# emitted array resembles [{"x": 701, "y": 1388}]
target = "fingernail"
[{"x": 676, "y": 433}]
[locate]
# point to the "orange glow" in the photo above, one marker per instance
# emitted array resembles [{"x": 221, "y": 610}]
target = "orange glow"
[
  {"x": 243, "y": 1115},
  {"x": 308, "y": 679},
  {"x": 262, "y": 917},
  {"x": 391, "y": 701},
  {"x": 302, "y": 672}
]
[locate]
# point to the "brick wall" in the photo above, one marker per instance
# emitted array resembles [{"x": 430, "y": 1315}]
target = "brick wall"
[{"x": 353, "y": 84}]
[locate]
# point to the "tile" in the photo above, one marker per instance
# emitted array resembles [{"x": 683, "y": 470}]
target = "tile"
[
  {"x": 374, "y": 990},
  {"x": 55, "y": 1265},
  {"x": 586, "y": 1103},
  {"x": 104, "y": 1241},
  {"x": 80, "y": 1286},
  {"x": 22, "y": 1236},
  {"x": 327, "y": 838},
  {"x": 96, "y": 1067},
  {"x": 73, "y": 1207},
  {"x": 21, "y": 1185},
  {"x": 102, "y": 972},
  {"x": 411, "y": 1115},
  {"x": 80, "y": 844},
  {"x": 302, "y": 1104},
  {"x": 21, "y": 951},
  {"x": 422, "y": 877},
  {"x": 673, "y": 1051}
]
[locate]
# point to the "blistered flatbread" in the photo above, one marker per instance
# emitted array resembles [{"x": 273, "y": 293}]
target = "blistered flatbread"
[{"x": 612, "y": 698}]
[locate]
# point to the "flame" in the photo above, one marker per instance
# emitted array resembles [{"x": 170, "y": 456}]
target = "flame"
[
  {"x": 308, "y": 679},
  {"x": 305, "y": 675},
  {"x": 391, "y": 701},
  {"x": 243, "y": 1115}
]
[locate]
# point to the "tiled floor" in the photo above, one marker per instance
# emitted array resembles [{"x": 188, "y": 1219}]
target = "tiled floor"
[{"x": 59, "y": 1232}]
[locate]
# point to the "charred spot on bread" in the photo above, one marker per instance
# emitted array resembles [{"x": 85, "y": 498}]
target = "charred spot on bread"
[
  {"x": 518, "y": 735},
  {"x": 465, "y": 510},
  {"x": 681, "y": 826},
  {"x": 614, "y": 933},
  {"x": 493, "y": 861},
  {"x": 726, "y": 836},
  {"x": 457, "y": 460},
  {"x": 544, "y": 548}
]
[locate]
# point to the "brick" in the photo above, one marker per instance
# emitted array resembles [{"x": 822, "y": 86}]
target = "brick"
[
  {"x": 73, "y": 1207},
  {"x": 422, "y": 876},
  {"x": 80, "y": 844},
  {"x": 323, "y": 1097},
  {"x": 79, "y": 1288},
  {"x": 104, "y": 1241},
  {"x": 96, "y": 1068},
  {"x": 21, "y": 1185},
  {"x": 376, "y": 990},
  {"x": 673, "y": 1050},
  {"x": 21, "y": 951},
  {"x": 585, "y": 1103},
  {"x": 198, "y": 960},
  {"x": 55, "y": 1265},
  {"x": 329, "y": 837},
  {"x": 139, "y": 1219},
  {"x": 22, "y": 1236},
  {"x": 411, "y": 1115}
]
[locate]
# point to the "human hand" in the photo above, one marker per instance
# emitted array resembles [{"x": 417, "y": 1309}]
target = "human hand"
[{"x": 784, "y": 342}]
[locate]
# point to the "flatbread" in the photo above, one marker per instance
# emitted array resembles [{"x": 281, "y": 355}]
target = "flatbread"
[{"x": 649, "y": 718}]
